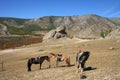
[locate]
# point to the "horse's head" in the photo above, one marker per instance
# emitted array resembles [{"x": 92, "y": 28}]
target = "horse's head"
[{"x": 47, "y": 58}]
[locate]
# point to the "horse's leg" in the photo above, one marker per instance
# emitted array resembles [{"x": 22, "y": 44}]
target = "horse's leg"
[
  {"x": 82, "y": 66},
  {"x": 40, "y": 65},
  {"x": 68, "y": 61},
  {"x": 78, "y": 67},
  {"x": 49, "y": 64},
  {"x": 56, "y": 63},
  {"x": 76, "y": 58}
]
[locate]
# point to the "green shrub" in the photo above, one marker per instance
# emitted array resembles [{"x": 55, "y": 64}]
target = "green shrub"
[
  {"x": 102, "y": 34},
  {"x": 105, "y": 32}
]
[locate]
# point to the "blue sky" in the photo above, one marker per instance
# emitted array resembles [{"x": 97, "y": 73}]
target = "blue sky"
[{"x": 40, "y": 8}]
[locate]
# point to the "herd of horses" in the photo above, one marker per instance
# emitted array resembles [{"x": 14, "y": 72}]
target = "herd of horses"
[{"x": 80, "y": 60}]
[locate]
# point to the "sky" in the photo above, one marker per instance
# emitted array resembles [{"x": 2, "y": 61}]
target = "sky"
[{"x": 41, "y": 8}]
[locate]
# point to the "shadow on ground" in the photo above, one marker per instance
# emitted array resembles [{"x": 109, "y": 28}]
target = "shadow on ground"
[
  {"x": 67, "y": 66},
  {"x": 54, "y": 67},
  {"x": 89, "y": 68}
]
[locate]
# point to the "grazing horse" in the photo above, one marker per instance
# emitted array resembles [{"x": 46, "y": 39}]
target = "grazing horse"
[
  {"x": 60, "y": 58},
  {"x": 37, "y": 60},
  {"x": 81, "y": 59}
]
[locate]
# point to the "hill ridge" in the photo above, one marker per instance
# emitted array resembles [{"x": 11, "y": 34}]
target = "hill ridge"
[{"x": 82, "y": 26}]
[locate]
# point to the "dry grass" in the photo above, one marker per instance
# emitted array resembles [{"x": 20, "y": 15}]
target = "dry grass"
[{"x": 104, "y": 61}]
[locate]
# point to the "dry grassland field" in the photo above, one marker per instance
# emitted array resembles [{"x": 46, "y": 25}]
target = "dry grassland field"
[{"x": 104, "y": 60}]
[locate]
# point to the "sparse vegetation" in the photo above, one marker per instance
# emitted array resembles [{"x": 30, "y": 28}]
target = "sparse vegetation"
[
  {"x": 49, "y": 28},
  {"x": 23, "y": 31},
  {"x": 105, "y": 32},
  {"x": 102, "y": 34},
  {"x": 20, "y": 21},
  {"x": 17, "y": 20}
]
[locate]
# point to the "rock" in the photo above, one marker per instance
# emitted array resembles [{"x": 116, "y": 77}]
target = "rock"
[
  {"x": 61, "y": 29},
  {"x": 111, "y": 48},
  {"x": 3, "y": 30},
  {"x": 55, "y": 34},
  {"x": 59, "y": 35},
  {"x": 49, "y": 35}
]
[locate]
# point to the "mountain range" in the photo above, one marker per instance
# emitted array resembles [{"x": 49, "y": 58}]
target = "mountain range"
[{"x": 90, "y": 25}]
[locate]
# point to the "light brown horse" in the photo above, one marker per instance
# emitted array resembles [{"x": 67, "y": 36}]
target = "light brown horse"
[{"x": 60, "y": 58}]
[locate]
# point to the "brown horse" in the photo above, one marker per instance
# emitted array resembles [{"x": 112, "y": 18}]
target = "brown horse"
[
  {"x": 60, "y": 58},
  {"x": 38, "y": 60}
]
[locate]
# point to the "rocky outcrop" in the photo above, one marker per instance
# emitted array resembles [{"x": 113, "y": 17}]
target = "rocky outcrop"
[
  {"x": 55, "y": 34},
  {"x": 114, "y": 34},
  {"x": 49, "y": 35},
  {"x": 3, "y": 30}
]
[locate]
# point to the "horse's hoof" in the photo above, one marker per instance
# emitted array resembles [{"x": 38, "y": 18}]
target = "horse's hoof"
[
  {"x": 29, "y": 70},
  {"x": 81, "y": 70}
]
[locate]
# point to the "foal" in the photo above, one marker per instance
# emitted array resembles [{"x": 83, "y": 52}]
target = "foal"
[{"x": 37, "y": 60}]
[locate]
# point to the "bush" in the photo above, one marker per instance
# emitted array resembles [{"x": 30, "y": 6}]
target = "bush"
[
  {"x": 102, "y": 34},
  {"x": 105, "y": 32}
]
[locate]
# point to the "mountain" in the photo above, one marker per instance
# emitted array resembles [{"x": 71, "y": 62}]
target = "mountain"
[{"x": 81, "y": 26}]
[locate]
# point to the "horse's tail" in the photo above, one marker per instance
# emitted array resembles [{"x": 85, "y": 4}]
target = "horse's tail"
[
  {"x": 69, "y": 60},
  {"x": 29, "y": 64}
]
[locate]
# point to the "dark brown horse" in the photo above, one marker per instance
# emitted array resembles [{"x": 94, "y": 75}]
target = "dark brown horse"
[
  {"x": 37, "y": 60},
  {"x": 60, "y": 58}
]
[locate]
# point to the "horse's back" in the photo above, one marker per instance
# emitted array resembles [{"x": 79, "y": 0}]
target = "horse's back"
[
  {"x": 87, "y": 54},
  {"x": 83, "y": 56}
]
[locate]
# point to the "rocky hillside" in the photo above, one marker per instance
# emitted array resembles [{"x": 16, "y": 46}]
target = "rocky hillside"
[{"x": 80, "y": 26}]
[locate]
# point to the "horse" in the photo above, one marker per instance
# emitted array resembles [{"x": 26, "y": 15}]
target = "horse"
[
  {"x": 60, "y": 58},
  {"x": 81, "y": 59},
  {"x": 38, "y": 60}
]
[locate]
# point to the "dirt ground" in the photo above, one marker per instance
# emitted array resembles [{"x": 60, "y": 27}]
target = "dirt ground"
[{"x": 104, "y": 60}]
